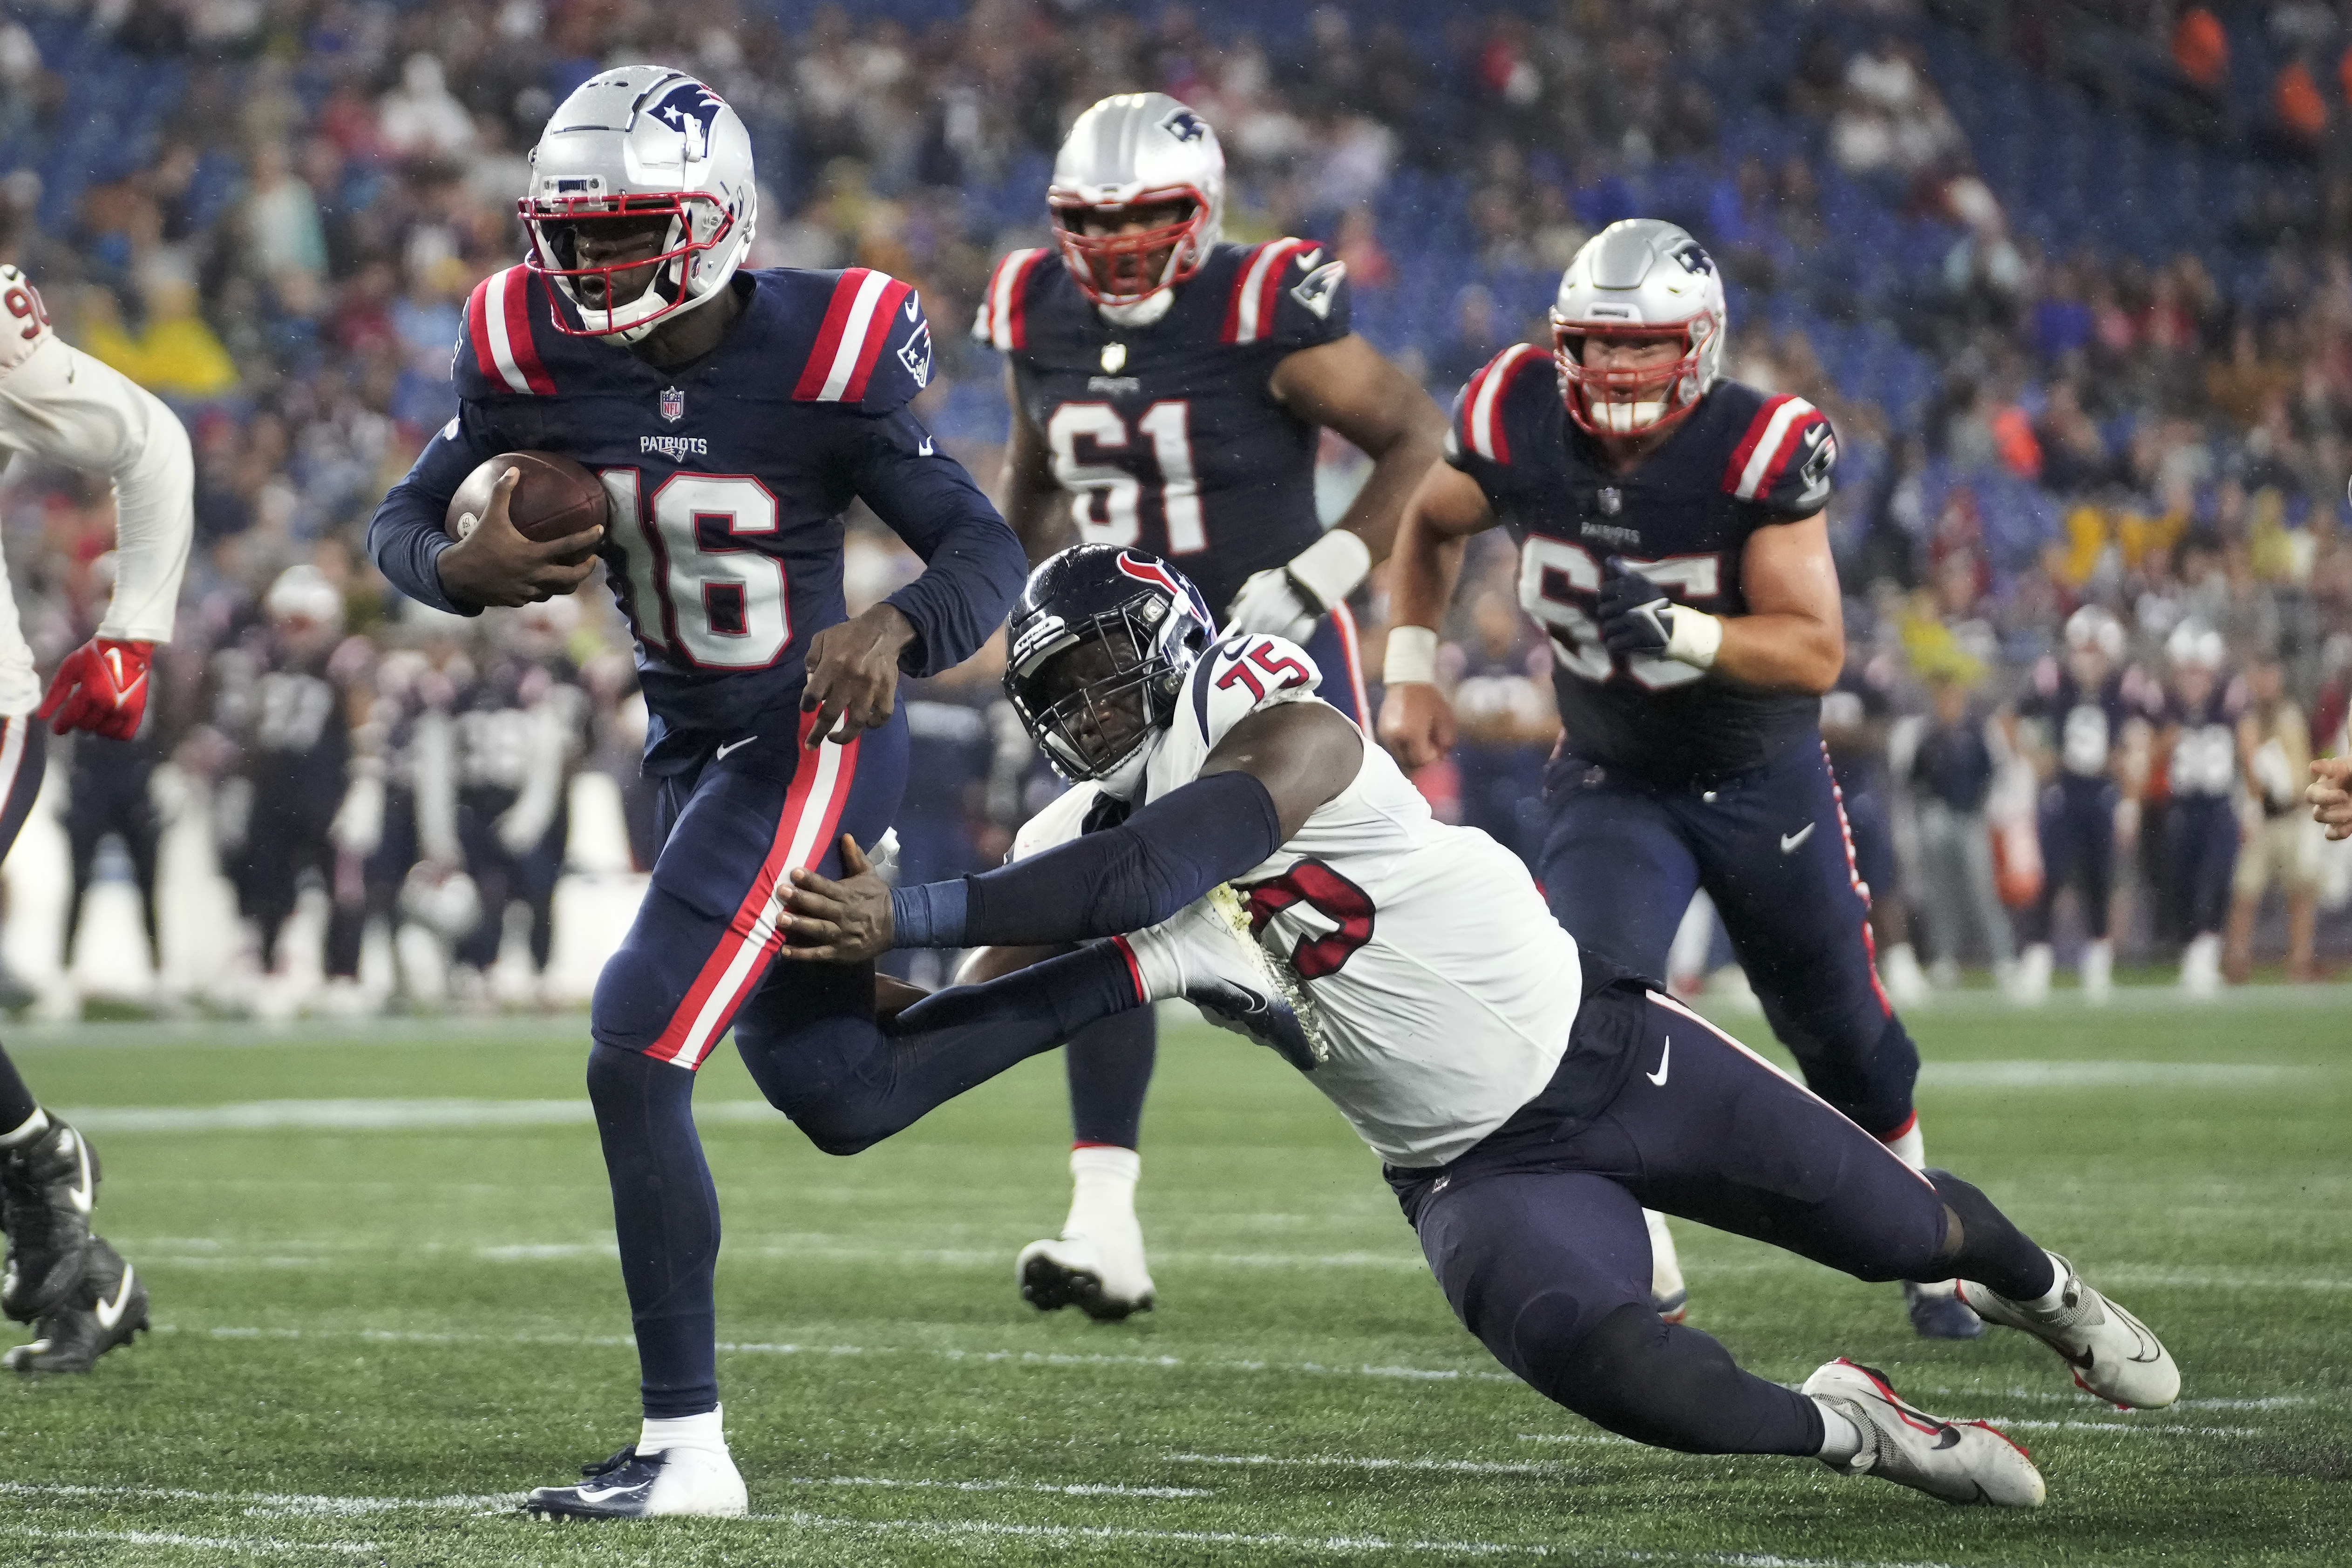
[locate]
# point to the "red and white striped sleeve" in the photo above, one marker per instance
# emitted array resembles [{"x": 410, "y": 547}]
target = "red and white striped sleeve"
[
  {"x": 1785, "y": 460},
  {"x": 501, "y": 319}
]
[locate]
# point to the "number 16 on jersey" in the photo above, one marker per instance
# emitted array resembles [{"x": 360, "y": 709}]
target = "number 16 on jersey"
[{"x": 700, "y": 585}]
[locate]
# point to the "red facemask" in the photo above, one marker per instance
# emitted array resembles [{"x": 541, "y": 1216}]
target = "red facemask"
[
  {"x": 1120, "y": 269},
  {"x": 698, "y": 223},
  {"x": 1632, "y": 401}
]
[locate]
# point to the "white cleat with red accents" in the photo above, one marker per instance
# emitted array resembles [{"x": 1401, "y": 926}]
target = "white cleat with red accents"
[{"x": 1959, "y": 1461}]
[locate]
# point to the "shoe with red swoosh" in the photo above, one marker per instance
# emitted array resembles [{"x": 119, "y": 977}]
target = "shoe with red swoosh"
[{"x": 1959, "y": 1461}]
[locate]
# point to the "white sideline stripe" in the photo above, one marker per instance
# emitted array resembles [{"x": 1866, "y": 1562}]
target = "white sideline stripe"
[
  {"x": 1022, "y": 1357},
  {"x": 2083, "y": 1074},
  {"x": 2122, "y": 1430},
  {"x": 853, "y": 340},
  {"x": 267, "y": 1502},
  {"x": 1081, "y": 1489},
  {"x": 256, "y": 1546},
  {"x": 1366, "y": 1462}
]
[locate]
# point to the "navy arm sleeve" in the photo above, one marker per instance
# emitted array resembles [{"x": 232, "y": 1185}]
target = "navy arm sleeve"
[
  {"x": 973, "y": 567},
  {"x": 1103, "y": 883},
  {"x": 406, "y": 535}
]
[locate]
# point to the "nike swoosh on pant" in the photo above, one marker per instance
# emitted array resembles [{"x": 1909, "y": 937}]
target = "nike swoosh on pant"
[
  {"x": 720, "y": 754},
  {"x": 1665, "y": 1059},
  {"x": 1788, "y": 841},
  {"x": 110, "y": 1313}
]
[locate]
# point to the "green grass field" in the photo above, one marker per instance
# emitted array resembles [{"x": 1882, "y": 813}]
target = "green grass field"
[{"x": 385, "y": 1305}]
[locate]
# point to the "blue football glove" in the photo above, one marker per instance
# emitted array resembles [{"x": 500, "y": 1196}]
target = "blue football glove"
[{"x": 1632, "y": 612}]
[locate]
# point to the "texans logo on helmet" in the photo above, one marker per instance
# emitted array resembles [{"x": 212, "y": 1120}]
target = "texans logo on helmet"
[
  {"x": 1184, "y": 125},
  {"x": 693, "y": 109},
  {"x": 1143, "y": 568}
]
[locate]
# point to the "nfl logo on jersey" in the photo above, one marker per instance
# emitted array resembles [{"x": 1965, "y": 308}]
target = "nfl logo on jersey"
[{"x": 673, "y": 404}]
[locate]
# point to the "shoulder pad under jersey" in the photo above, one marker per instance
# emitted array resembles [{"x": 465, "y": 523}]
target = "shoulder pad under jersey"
[
  {"x": 1238, "y": 674},
  {"x": 1290, "y": 292},
  {"x": 1002, "y": 322},
  {"x": 1480, "y": 430},
  {"x": 872, "y": 343},
  {"x": 1785, "y": 456}
]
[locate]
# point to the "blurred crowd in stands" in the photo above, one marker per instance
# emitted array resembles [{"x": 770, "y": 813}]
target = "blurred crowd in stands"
[{"x": 271, "y": 213}]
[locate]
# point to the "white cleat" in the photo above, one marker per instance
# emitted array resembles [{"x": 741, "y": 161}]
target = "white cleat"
[
  {"x": 1206, "y": 954},
  {"x": 2111, "y": 1351},
  {"x": 2030, "y": 988},
  {"x": 2098, "y": 972},
  {"x": 1959, "y": 1461},
  {"x": 674, "y": 1483},
  {"x": 1105, "y": 1282}
]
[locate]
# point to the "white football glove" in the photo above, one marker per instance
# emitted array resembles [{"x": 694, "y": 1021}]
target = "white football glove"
[{"x": 1287, "y": 601}]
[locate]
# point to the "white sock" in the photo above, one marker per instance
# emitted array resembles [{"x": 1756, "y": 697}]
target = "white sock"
[
  {"x": 2052, "y": 1298},
  {"x": 32, "y": 1127},
  {"x": 705, "y": 1431},
  {"x": 1841, "y": 1438},
  {"x": 1102, "y": 1192},
  {"x": 1909, "y": 1147}
]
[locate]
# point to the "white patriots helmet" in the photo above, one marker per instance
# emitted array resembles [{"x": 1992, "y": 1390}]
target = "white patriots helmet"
[
  {"x": 1137, "y": 149},
  {"x": 1638, "y": 278},
  {"x": 2092, "y": 629},
  {"x": 303, "y": 597},
  {"x": 642, "y": 141}
]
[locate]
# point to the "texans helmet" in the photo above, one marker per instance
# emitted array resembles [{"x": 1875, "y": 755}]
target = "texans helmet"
[
  {"x": 1101, "y": 719},
  {"x": 642, "y": 144}
]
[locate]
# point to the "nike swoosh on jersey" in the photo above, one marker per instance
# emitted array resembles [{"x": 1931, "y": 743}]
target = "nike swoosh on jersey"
[
  {"x": 925, "y": 449},
  {"x": 720, "y": 754},
  {"x": 1666, "y": 1060},
  {"x": 110, "y": 1313},
  {"x": 1788, "y": 841},
  {"x": 913, "y": 305}
]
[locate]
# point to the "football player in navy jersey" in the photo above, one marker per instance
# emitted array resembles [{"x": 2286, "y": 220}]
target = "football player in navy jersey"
[
  {"x": 1169, "y": 392},
  {"x": 2199, "y": 742},
  {"x": 732, "y": 417},
  {"x": 2091, "y": 721},
  {"x": 1671, "y": 540}
]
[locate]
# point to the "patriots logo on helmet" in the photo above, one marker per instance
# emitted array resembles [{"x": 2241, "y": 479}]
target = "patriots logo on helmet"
[
  {"x": 693, "y": 109},
  {"x": 1184, "y": 125},
  {"x": 1694, "y": 259}
]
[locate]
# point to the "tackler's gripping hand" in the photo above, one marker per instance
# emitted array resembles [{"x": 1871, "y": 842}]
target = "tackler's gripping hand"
[{"x": 101, "y": 688}]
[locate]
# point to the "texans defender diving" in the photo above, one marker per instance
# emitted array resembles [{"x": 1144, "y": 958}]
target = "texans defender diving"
[
  {"x": 59, "y": 406},
  {"x": 1671, "y": 542},
  {"x": 1251, "y": 852},
  {"x": 732, "y": 417},
  {"x": 1169, "y": 390}
]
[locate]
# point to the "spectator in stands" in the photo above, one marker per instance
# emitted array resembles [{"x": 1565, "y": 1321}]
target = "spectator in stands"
[
  {"x": 2282, "y": 843},
  {"x": 1951, "y": 776}
]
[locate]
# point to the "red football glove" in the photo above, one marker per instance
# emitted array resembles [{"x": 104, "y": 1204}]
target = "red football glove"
[{"x": 101, "y": 688}]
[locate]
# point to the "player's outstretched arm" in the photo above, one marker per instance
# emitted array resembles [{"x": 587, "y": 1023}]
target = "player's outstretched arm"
[
  {"x": 2330, "y": 795},
  {"x": 1349, "y": 386},
  {"x": 1446, "y": 508},
  {"x": 1262, "y": 782}
]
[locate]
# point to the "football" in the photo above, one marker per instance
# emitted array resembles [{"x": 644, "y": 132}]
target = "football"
[{"x": 556, "y": 497}]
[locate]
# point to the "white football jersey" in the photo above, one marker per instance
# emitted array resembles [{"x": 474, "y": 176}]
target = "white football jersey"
[
  {"x": 1443, "y": 987},
  {"x": 61, "y": 406}
]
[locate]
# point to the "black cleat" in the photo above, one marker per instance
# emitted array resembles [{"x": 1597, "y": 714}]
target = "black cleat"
[
  {"x": 46, "y": 1189},
  {"x": 1941, "y": 1317},
  {"x": 630, "y": 1485},
  {"x": 107, "y": 1308}
]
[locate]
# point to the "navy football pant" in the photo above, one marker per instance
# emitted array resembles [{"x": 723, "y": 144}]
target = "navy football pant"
[
  {"x": 1110, "y": 1065},
  {"x": 1622, "y": 861},
  {"x": 2202, "y": 831},
  {"x": 2077, "y": 822},
  {"x": 24, "y": 752},
  {"x": 1537, "y": 1237}
]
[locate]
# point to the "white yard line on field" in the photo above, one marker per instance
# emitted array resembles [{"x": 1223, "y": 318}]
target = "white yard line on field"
[
  {"x": 2127, "y": 1429},
  {"x": 1016, "y": 1357},
  {"x": 1367, "y": 1462},
  {"x": 252, "y": 1546},
  {"x": 264, "y": 1502},
  {"x": 1055, "y": 1488},
  {"x": 2092, "y": 1073}
]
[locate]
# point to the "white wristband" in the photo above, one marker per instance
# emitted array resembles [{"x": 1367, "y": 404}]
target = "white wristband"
[
  {"x": 1330, "y": 568},
  {"x": 1695, "y": 637},
  {"x": 1411, "y": 656}
]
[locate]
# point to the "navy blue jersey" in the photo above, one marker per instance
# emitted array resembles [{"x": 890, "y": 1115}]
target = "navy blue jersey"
[
  {"x": 1742, "y": 461},
  {"x": 1166, "y": 436},
  {"x": 2085, "y": 724},
  {"x": 2204, "y": 760},
  {"x": 728, "y": 480}
]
